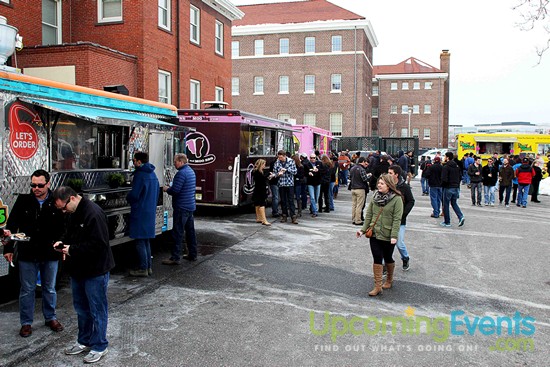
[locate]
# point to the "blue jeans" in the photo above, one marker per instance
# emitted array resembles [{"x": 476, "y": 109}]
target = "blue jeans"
[
  {"x": 90, "y": 304},
  {"x": 450, "y": 196},
  {"x": 314, "y": 192},
  {"x": 476, "y": 186},
  {"x": 184, "y": 221},
  {"x": 344, "y": 176},
  {"x": 401, "y": 242},
  {"x": 425, "y": 186},
  {"x": 300, "y": 190},
  {"x": 465, "y": 177},
  {"x": 28, "y": 272},
  {"x": 489, "y": 194},
  {"x": 331, "y": 195},
  {"x": 274, "y": 199},
  {"x": 523, "y": 191},
  {"x": 436, "y": 194},
  {"x": 143, "y": 248}
]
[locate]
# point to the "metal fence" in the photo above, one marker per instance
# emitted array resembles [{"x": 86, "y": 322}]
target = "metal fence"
[{"x": 389, "y": 145}]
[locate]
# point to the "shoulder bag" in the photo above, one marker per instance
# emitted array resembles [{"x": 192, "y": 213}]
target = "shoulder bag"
[{"x": 369, "y": 231}]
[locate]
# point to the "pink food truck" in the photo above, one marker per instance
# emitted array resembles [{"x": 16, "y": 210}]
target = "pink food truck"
[{"x": 308, "y": 139}]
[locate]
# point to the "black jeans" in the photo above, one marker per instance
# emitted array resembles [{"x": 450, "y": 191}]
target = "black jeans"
[
  {"x": 324, "y": 195},
  {"x": 381, "y": 250},
  {"x": 286, "y": 195},
  {"x": 501, "y": 191}
]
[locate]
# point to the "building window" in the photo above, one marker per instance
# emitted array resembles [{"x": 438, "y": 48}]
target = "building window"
[
  {"x": 336, "y": 124},
  {"x": 235, "y": 86},
  {"x": 404, "y": 133},
  {"x": 164, "y": 14},
  {"x": 405, "y": 86},
  {"x": 426, "y": 134},
  {"x": 427, "y": 109},
  {"x": 309, "y": 45},
  {"x": 336, "y": 43},
  {"x": 393, "y": 86},
  {"x": 283, "y": 117},
  {"x": 310, "y": 119},
  {"x": 283, "y": 84},
  {"x": 336, "y": 83},
  {"x": 284, "y": 46},
  {"x": 416, "y": 133},
  {"x": 5, "y": 1},
  {"x": 416, "y": 109},
  {"x": 51, "y": 25},
  {"x": 375, "y": 112},
  {"x": 258, "y": 47},
  {"x": 219, "y": 94},
  {"x": 195, "y": 24},
  {"x": 219, "y": 37},
  {"x": 309, "y": 84},
  {"x": 393, "y": 109},
  {"x": 235, "y": 49},
  {"x": 195, "y": 94},
  {"x": 416, "y": 85},
  {"x": 165, "y": 87},
  {"x": 374, "y": 90},
  {"x": 109, "y": 10},
  {"x": 258, "y": 85},
  {"x": 428, "y": 85},
  {"x": 404, "y": 109}
]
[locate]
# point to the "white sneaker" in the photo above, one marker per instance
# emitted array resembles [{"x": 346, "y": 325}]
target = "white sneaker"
[
  {"x": 94, "y": 356},
  {"x": 77, "y": 349}
]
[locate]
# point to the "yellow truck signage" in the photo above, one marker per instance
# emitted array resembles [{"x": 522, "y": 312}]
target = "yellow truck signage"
[{"x": 485, "y": 144}]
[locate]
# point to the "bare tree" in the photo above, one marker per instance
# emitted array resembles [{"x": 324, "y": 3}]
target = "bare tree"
[{"x": 535, "y": 14}]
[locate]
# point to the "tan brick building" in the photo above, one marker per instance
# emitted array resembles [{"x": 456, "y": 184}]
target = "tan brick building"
[
  {"x": 308, "y": 62},
  {"x": 411, "y": 99},
  {"x": 174, "y": 51}
]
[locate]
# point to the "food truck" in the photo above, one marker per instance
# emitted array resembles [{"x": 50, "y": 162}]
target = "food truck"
[
  {"x": 485, "y": 144},
  {"x": 308, "y": 139},
  {"x": 223, "y": 148},
  {"x": 86, "y": 139}
]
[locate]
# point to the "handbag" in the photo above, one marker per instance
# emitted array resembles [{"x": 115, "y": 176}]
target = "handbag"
[{"x": 369, "y": 232}]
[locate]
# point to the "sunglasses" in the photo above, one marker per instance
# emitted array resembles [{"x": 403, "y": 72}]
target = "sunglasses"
[
  {"x": 66, "y": 203},
  {"x": 40, "y": 186}
]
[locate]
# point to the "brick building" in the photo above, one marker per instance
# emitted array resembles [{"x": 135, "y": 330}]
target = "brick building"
[
  {"x": 305, "y": 61},
  {"x": 173, "y": 51},
  {"x": 412, "y": 95}
]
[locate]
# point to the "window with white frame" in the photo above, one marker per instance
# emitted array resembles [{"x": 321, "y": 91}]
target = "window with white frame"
[
  {"x": 374, "y": 90},
  {"x": 404, "y": 133},
  {"x": 416, "y": 85},
  {"x": 51, "y": 22},
  {"x": 336, "y": 43},
  {"x": 375, "y": 112},
  {"x": 416, "y": 109},
  {"x": 219, "y": 37},
  {"x": 235, "y": 49},
  {"x": 195, "y": 94},
  {"x": 258, "y": 85},
  {"x": 336, "y": 83},
  {"x": 427, "y": 134},
  {"x": 427, "y": 109},
  {"x": 165, "y": 87},
  {"x": 219, "y": 94},
  {"x": 404, "y": 109},
  {"x": 5, "y": 1},
  {"x": 393, "y": 86},
  {"x": 283, "y": 84},
  {"x": 164, "y": 14},
  {"x": 309, "y": 46},
  {"x": 284, "y": 46},
  {"x": 427, "y": 85},
  {"x": 195, "y": 24},
  {"x": 258, "y": 47},
  {"x": 416, "y": 133},
  {"x": 283, "y": 117},
  {"x": 109, "y": 10},
  {"x": 310, "y": 119},
  {"x": 405, "y": 86},
  {"x": 235, "y": 86},
  {"x": 336, "y": 124},
  {"x": 309, "y": 84},
  {"x": 393, "y": 109}
]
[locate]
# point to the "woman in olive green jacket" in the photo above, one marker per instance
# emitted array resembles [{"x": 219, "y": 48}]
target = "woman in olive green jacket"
[{"x": 388, "y": 202}]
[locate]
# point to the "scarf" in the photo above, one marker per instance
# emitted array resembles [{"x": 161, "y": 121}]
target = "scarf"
[{"x": 382, "y": 199}]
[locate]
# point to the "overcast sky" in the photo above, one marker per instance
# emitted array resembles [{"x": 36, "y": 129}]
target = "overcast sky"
[{"x": 494, "y": 71}]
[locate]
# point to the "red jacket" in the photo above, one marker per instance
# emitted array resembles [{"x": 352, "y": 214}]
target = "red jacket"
[{"x": 525, "y": 174}]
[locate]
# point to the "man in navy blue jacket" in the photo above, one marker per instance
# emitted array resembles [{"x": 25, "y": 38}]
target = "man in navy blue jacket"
[
  {"x": 183, "y": 201},
  {"x": 143, "y": 200}
]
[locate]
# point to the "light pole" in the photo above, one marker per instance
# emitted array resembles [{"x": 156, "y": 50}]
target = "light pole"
[{"x": 410, "y": 110}]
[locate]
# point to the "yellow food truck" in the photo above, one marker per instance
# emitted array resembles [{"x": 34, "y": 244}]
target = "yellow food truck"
[{"x": 485, "y": 144}]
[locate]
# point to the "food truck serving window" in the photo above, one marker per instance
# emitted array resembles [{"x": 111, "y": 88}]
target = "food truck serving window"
[{"x": 263, "y": 142}]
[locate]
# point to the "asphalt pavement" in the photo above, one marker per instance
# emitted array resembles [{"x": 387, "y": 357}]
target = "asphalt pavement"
[{"x": 297, "y": 295}]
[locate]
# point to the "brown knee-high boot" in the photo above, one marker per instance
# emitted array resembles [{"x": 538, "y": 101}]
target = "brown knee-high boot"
[
  {"x": 258, "y": 217},
  {"x": 389, "y": 276},
  {"x": 377, "y": 271},
  {"x": 262, "y": 216}
]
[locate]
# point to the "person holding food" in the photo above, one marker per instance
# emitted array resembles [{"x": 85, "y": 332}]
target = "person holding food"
[{"x": 33, "y": 225}]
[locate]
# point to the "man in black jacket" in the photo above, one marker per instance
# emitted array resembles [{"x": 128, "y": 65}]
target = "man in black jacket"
[
  {"x": 433, "y": 175},
  {"x": 450, "y": 180},
  {"x": 35, "y": 215},
  {"x": 408, "y": 203},
  {"x": 89, "y": 258}
]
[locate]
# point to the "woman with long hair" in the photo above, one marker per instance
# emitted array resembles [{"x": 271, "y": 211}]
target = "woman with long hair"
[
  {"x": 384, "y": 216},
  {"x": 259, "y": 195},
  {"x": 325, "y": 173},
  {"x": 300, "y": 186}
]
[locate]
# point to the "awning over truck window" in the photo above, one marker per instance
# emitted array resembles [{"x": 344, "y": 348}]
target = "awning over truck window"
[
  {"x": 495, "y": 139},
  {"x": 95, "y": 114}
]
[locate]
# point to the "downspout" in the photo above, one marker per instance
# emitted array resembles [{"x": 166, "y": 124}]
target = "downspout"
[
  {"x": 178, "y": 58},
  {"x": 439, "y": 116},
  {"x": 355, "y": 81}
]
